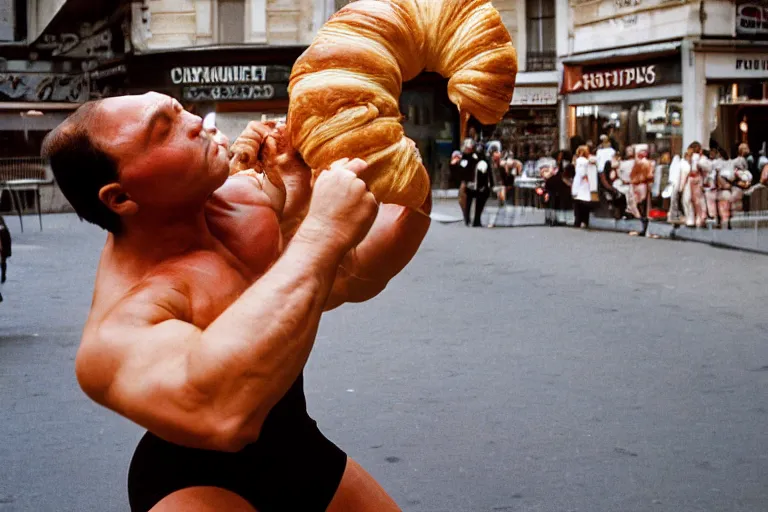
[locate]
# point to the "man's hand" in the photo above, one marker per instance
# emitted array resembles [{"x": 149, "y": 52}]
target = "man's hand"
[
  {"x": 212, "y": 387},
  {"x": 342, "y": 209},
  {"x": 278, "y": 155},
  {"x": 244, "y": 152},
  {"x": 266, "y": 148}
]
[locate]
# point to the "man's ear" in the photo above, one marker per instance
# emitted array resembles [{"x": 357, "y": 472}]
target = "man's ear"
[{"x": 118, "y": 200}]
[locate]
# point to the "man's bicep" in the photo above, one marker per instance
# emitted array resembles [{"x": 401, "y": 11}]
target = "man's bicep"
[
  {"x": 136, "y": 362},
  {"x": 152, "y": 385}
]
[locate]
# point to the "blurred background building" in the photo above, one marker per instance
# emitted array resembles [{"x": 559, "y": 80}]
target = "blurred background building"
[{"x": 665, "y": 72}]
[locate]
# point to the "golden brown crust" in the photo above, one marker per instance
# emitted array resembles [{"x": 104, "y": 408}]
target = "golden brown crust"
[{"x": 345, "y": 87}]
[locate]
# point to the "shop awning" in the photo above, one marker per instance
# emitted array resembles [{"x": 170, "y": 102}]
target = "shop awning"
[
  {"x": 629, "y": 53},
  {"x": 729, "y": 45}
]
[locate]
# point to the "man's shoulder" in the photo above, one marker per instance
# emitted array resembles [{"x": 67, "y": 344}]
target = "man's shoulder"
[
  {"x": 118, "y": 317},
  {"x": 162, "y": 293}
]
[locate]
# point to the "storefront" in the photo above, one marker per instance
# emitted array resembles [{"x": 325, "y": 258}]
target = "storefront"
[
  {"x": 529, "y": 129},
  {"x": 632, "y": 102},
  {"x": 237, "y": 84},
  {"x": 737, "y": 97},
  {"x": 251, "y": 83}
]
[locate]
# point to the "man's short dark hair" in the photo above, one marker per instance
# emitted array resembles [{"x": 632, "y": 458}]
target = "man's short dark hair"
[{"x": 82, "y": 168}]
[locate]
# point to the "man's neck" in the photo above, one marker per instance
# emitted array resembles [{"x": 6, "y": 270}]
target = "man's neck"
[{"x": 157, "y": 236}]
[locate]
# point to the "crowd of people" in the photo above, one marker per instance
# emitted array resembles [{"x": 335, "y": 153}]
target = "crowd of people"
[{"x": 702, "y": 185}]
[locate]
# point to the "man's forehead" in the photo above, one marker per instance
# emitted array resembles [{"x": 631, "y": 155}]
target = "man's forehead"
[
  {"x": 121, "y": 119},
  {"x": 136, "y": 105}
]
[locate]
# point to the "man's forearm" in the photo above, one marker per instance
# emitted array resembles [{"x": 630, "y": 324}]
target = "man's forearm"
[
  {"x": 252, "y": 353},
  {"x": 390, "y": 245}
]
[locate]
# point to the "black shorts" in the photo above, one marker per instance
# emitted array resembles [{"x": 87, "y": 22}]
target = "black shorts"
[{"x": 288, "y": 469}]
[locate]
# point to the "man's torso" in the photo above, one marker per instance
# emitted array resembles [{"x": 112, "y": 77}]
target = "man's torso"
[{"x": 290, "y": 452}]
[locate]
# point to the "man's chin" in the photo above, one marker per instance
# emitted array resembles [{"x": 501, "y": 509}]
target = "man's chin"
[{"x": 220, "y": 170}]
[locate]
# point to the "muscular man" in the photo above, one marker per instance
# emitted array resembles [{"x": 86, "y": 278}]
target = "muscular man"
[{"x": 206, "y": 306}]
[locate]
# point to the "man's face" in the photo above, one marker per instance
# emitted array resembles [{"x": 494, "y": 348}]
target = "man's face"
[{"x": 164, "y": 157}]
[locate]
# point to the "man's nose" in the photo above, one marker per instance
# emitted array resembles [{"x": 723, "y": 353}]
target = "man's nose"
[
  {"x": 217, "y": 136},
  {"x": 195, "y": 126}
]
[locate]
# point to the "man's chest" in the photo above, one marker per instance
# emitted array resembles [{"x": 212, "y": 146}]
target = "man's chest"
[{"x": 212, "y": 282}]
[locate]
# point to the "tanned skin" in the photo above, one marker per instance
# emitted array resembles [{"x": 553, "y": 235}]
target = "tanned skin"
[{"x": 207, "y": 304}]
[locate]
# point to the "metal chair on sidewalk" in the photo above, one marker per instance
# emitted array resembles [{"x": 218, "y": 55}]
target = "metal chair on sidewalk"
[{"x": 21, "y": 174}]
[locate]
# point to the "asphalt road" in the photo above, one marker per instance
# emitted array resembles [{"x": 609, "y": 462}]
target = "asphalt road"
[{"x": 523, "y": 369}]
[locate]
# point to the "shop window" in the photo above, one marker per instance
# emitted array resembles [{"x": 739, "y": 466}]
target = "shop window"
[
  {"x": 231, "y": 21},
  {"x": 529, "y": 133},
  {"x": 540, "y": 32},
  {"x": 658, "y": 123}
]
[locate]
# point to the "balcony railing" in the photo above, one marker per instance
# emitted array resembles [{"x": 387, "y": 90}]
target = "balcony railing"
[
  {"x": 540, "y": 61},
  {"x": 16, "y": 171}
]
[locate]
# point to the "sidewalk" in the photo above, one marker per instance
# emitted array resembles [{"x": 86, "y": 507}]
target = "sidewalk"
[{"x": 749, "y": 237}]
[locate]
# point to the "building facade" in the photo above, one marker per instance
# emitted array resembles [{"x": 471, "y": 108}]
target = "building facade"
[
  {"x": 665, "y": 72},
  {"x": 54, "y": 55},
  {"x": 233, "y": 58},
  {"x": 530, "y": 128}
]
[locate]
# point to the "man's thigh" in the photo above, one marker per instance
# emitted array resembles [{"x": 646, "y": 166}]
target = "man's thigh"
[
  {"x": 359, "y": 492},
  {"x": 203, "y": 499}
]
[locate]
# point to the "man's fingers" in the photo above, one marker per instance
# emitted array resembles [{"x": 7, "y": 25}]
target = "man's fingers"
[
  {"x": 269, "y": 149},
  {"x": 357, "y": 165},
  {"x": 339, "y": 164}
]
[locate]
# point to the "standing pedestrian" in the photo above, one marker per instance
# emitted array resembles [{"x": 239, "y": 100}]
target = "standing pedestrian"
[
  {"x": 581, "y": 188},
  {"x": 608, "y": 176},
  {"x": 693, "y": 186},
  {"x": 746, "y": 153},
  {"x": 604, "y": 153},
  {"x": 687, "y": 168},
  {"x": 641, "y": 179},
  {"x": 482, "y": 190},
  {"x": 465, "y": 165},
  {"x": 512, "y": 169},
  {"x": 5, "y": 250}
]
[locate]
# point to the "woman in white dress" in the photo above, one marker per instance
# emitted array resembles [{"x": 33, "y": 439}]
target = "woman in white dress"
[{"x": 581, "y": 189}]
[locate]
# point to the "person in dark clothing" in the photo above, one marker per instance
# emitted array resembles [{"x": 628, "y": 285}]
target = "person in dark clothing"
[
  {"x": 563, "y": 186},
  {"x": 480, "y": 190},
  {"x": 464, "y": 166},
  {"x": 5, "y": 250},
  {"x": 616, "y": 200}
]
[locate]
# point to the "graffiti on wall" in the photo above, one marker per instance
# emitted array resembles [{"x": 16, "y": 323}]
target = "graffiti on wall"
[
  {"x": 43, "y": 87},
  {"x": 92, "y": 41}
]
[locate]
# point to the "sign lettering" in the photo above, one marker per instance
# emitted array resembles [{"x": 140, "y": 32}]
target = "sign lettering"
[
  {"x": 736, "y": 65},
  {"x": 583, "y": 79},
  {"x": 752, "y": 20},
  {"x": 228, "y": 74},
  {"x": 534, "y": 96},
  {"x": 235, "y": 92}
]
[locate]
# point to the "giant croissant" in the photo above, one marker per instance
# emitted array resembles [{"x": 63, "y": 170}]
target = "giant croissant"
[{"x": 345, "y": 87}]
